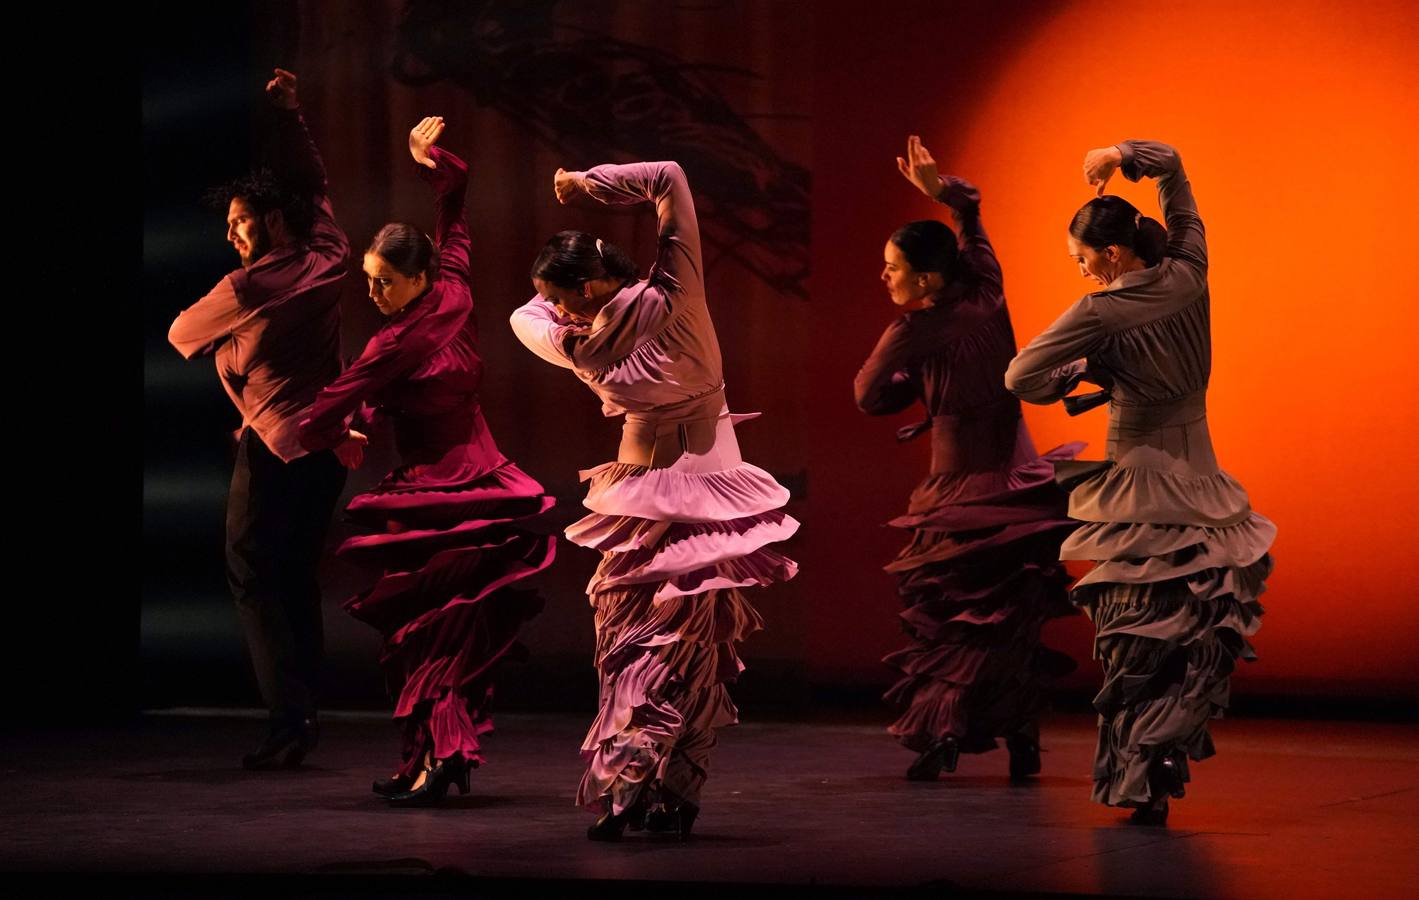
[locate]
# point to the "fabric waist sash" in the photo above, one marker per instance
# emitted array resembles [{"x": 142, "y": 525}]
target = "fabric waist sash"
[
  {"x": 1171, "y": 435},
  {"x": 985, "y": 439},
  {"x": 701, "y": 427}
]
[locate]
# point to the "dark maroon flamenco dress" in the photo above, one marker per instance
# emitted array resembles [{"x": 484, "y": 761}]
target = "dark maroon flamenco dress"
[
  {"x": 447, "y": 520},
  {"x": 981, "y": 575}
]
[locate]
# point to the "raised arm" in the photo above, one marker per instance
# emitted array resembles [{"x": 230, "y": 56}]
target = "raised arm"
[
  {"x": 678, "y": 265},
  {"x": 976, "y": 253},
  {"x": 1043, "y": 371},
  {"x": 963, "y": 199},
  {"x": 882, "y": 385},
  {"x": 448, "y": 175},
  {"x": 1187, "y": 240},
  {"x": 290, "y": 152}
]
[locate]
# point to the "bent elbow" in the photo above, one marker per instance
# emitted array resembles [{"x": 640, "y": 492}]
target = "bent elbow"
[
  {"x": 181, "y": 343},
  {"x": 1015, "y": 377}
]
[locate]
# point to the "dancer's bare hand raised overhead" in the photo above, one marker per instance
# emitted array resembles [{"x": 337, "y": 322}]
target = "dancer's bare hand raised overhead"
[
  {"x": 281, "y": 90},
  {"x": 422, "y": 137},
  {"x": 920, "y": 168},
  {"x": 1100, "y": 165}
]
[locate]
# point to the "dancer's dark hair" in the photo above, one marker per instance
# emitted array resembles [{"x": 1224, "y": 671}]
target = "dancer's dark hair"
[
  {"x": 572, "y": 258},
  {"x": 928, "y": 245},
  {"x": 407, "y": 249},
  {"x": 1113, "y": 220},
  {"x": 263, "y": 192}
]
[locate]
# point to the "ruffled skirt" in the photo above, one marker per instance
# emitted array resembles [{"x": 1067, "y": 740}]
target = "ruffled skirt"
[
  {"x": 679, "y": 545},
  {"x": 1181, "y": 561},
  {"x": 445, "y": 602},
  {"x": 978, "y": 581}
]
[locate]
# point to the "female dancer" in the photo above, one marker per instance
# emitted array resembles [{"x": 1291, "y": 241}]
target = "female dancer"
[
  {"x": 681, "y": 520},
  {"x": 449, "y": 546},
  {"x": 1181, "y": 556},
  {"x": 981, "y": 574}
]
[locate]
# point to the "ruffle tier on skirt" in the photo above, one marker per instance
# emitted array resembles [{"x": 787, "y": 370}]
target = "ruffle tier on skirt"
[
  {"x": 445, "y": 602},
  {"x": 979, "y": 579},
  {"x": 1181, "y": 562},
  {"x": 678, "y": 548}
]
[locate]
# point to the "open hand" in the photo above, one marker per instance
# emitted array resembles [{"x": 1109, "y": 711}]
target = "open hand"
[
  {"x": 919, "y": 168},
  {"x": 422, "y": 137},
  {"x": 1100, "y": 165},
  {"x": 351, "y": 451},
  {"x": 281, "y": 90}
]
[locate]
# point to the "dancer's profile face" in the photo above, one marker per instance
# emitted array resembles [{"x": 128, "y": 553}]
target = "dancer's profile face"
[
  {"x": 246, "y": 232},
  {"x": 907, "y": 287},
  {"x": 1102, "y": 266},
  {"x": 390, "y": 289},
  {"x": 572, "y": 302}
]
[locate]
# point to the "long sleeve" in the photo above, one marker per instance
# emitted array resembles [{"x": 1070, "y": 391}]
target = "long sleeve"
[
  {"x": 976, "y": 252},
  {"x": 384, "y": 360},
  {"x": 396, "y": 350},
  {"x": 202, "y": 327},
  {"x": 1042, "y": 372},
  {"x": 290, "y": 152},
  {"x": 1187, "y": 240},
  {"x": 678, "y": 265},
  {"x": 542, "y": 331},
  {"x": 882, "y": 385},
  {"x": 639, "y": 314},
  {"x": 450, "y": 182}
]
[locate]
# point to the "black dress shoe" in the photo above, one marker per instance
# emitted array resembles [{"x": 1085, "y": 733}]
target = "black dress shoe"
[
  {"x": 284, "y": 748},
  {"x": 673, "y": 823},
  {"x": 1024, "y": 756},
  {"x": 942, "y": 754},
  {"x": 437, "y": 778},
  {"x": 388, "y": 787}
]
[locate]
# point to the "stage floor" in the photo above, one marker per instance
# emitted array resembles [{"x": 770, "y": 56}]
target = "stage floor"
[{"x": 1287, "y": 809}]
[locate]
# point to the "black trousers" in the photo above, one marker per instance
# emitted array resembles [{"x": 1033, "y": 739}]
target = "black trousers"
[{"x": 277, "y": 516}]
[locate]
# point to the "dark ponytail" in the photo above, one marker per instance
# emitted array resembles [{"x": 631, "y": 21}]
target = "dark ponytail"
[
  {"x": 572, "y": 258},
  {"x": 1113, "y": 220},
  {"x": 407, "y": 249},
  {"x": 928, "y": 245}
]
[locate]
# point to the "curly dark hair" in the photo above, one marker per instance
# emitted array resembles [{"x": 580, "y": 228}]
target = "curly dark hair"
[{"x": 264, "y": 192}]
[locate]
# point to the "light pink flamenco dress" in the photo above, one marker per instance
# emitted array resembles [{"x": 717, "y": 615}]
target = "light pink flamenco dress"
[{"x": 682, "y": 522}]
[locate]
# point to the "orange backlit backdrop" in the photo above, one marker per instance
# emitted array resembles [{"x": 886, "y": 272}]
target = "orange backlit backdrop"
[{"x": 1300, "y": 134}]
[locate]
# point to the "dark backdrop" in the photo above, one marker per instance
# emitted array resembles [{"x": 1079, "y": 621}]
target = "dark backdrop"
[{"x": 786, "y": 116}]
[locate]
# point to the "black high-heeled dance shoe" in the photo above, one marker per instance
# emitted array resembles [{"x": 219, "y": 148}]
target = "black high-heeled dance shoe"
[
  {"x": 388, "y": 787},
  {"x": 284, "y": 748},
  {"x": 674, "y": 824},
  {"x": 611, "y": 826},
  {"x": 942, "y": 754},
  {"x": 1024, "y": 756},
  {"x": 1154, "y": 814},
  {"x": 437, "y": 779}
]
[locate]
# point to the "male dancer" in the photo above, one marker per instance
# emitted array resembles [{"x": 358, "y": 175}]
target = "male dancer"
[{"x": 274, "y": 325}]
